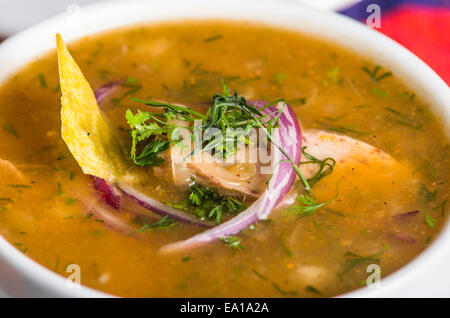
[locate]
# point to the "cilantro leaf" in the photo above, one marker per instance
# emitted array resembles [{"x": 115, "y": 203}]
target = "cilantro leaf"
[
  {"x": 431, "y": 222},
  {"x": 232, "y": 241}
]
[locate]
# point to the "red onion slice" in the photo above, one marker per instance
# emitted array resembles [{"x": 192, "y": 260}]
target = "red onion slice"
[
  {"x": 161, "y": 208},
  {"x": 105, "y": 212},
  {"x": 405, "y": 238},
  {"x": 407, "y": 216},
  {"x": 281, "y": 182},
  {"x": 114, "y": 197},
  {"x": 111, "y": 219},
  {"x": 108, "y": 192},
  {"x": 102, "y": 92}
]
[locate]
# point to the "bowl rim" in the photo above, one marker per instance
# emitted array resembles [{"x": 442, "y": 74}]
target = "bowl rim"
[{"x": 331, "y": 26}]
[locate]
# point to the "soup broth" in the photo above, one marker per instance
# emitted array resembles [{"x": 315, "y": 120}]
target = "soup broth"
[{"x": 374, "y": 215}]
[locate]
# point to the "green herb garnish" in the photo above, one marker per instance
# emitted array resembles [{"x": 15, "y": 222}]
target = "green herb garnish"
[
  {"x": 207, "y": 203},
  {"x": 70, "y": 201},
  {"x": 284, "y": 292},
  {"x": 353, "y": 260},
  {"x": 213, "y": 38},
  {"x": 380, "y": 92},
  {"x": 404, "y": 119},
  {"x": 343, "y": 129},
  {"x": 428, "y": 195},
  {"x": 312, "y": 289},
  {"x": 308, "y": 206},
  {"x": 333, "y": 74},
  {"x": 441, "y": 207},
  {"x": 232, "y": 241},
  {"x": 286, "y": 249},
  {"x": 274, "y": 284},
  {"x": 259, "y": 274},
  {"x": 59, "y": 190},
  {"x": 326, "y": 166},
  {"x": 152, "y": 134},
  {"x": 298, "y": 101},
  {"x": 10, "y": 128},
  {"x": 131, "y": 86},
  {"x": 164, "y": 223},
  {"x": 23, "y": 186},
  {"x": 431, "y": 222},
  {"x": 279, "y": 78},
  {"x": 42, "y": 80},
  {"x": 373, "y": 74}
]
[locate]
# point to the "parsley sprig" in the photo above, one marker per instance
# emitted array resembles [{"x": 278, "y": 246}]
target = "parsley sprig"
[
  {"x": 149, "y": 137},
  {"x": 431, "y": 222}
]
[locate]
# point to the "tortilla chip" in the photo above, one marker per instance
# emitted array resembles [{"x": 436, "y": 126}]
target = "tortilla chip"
[{"x": 84, "y": 130}]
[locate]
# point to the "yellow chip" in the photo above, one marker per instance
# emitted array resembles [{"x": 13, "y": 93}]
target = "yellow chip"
[{"x": 84, "y": 130}]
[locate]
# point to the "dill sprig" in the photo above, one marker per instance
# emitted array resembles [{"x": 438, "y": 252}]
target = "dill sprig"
[
  {"x": 373, "y": 74},
  {"x": 308, "y": 206},
  {"x": 342, "y": 129},
  {"x": 403, "y": 119},
  {"x": 326, "y": 166},
  {"x": 353, "y": 260},
  {"x": 234, "y": 117},
  {"x": 164, "y": 223}
]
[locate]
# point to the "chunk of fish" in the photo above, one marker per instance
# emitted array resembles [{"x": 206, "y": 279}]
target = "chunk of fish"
[
  {"x": 242, "y": 178},
  {"x": 245, "y": 178},
  {"x": 341, "y": 148}
]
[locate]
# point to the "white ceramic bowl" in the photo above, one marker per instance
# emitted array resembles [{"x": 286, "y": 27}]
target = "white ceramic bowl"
[{"x": 424, "y": 276}]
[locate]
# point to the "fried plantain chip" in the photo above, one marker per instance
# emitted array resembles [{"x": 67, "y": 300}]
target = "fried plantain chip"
[{"x": 84, "y": 130}]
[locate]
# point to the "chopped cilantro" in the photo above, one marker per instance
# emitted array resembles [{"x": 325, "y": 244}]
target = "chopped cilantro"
[
  {"x": 10, "y": 128},
  {"x": 431, "y": 222},
  {"x": 232, "y": 241}
]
